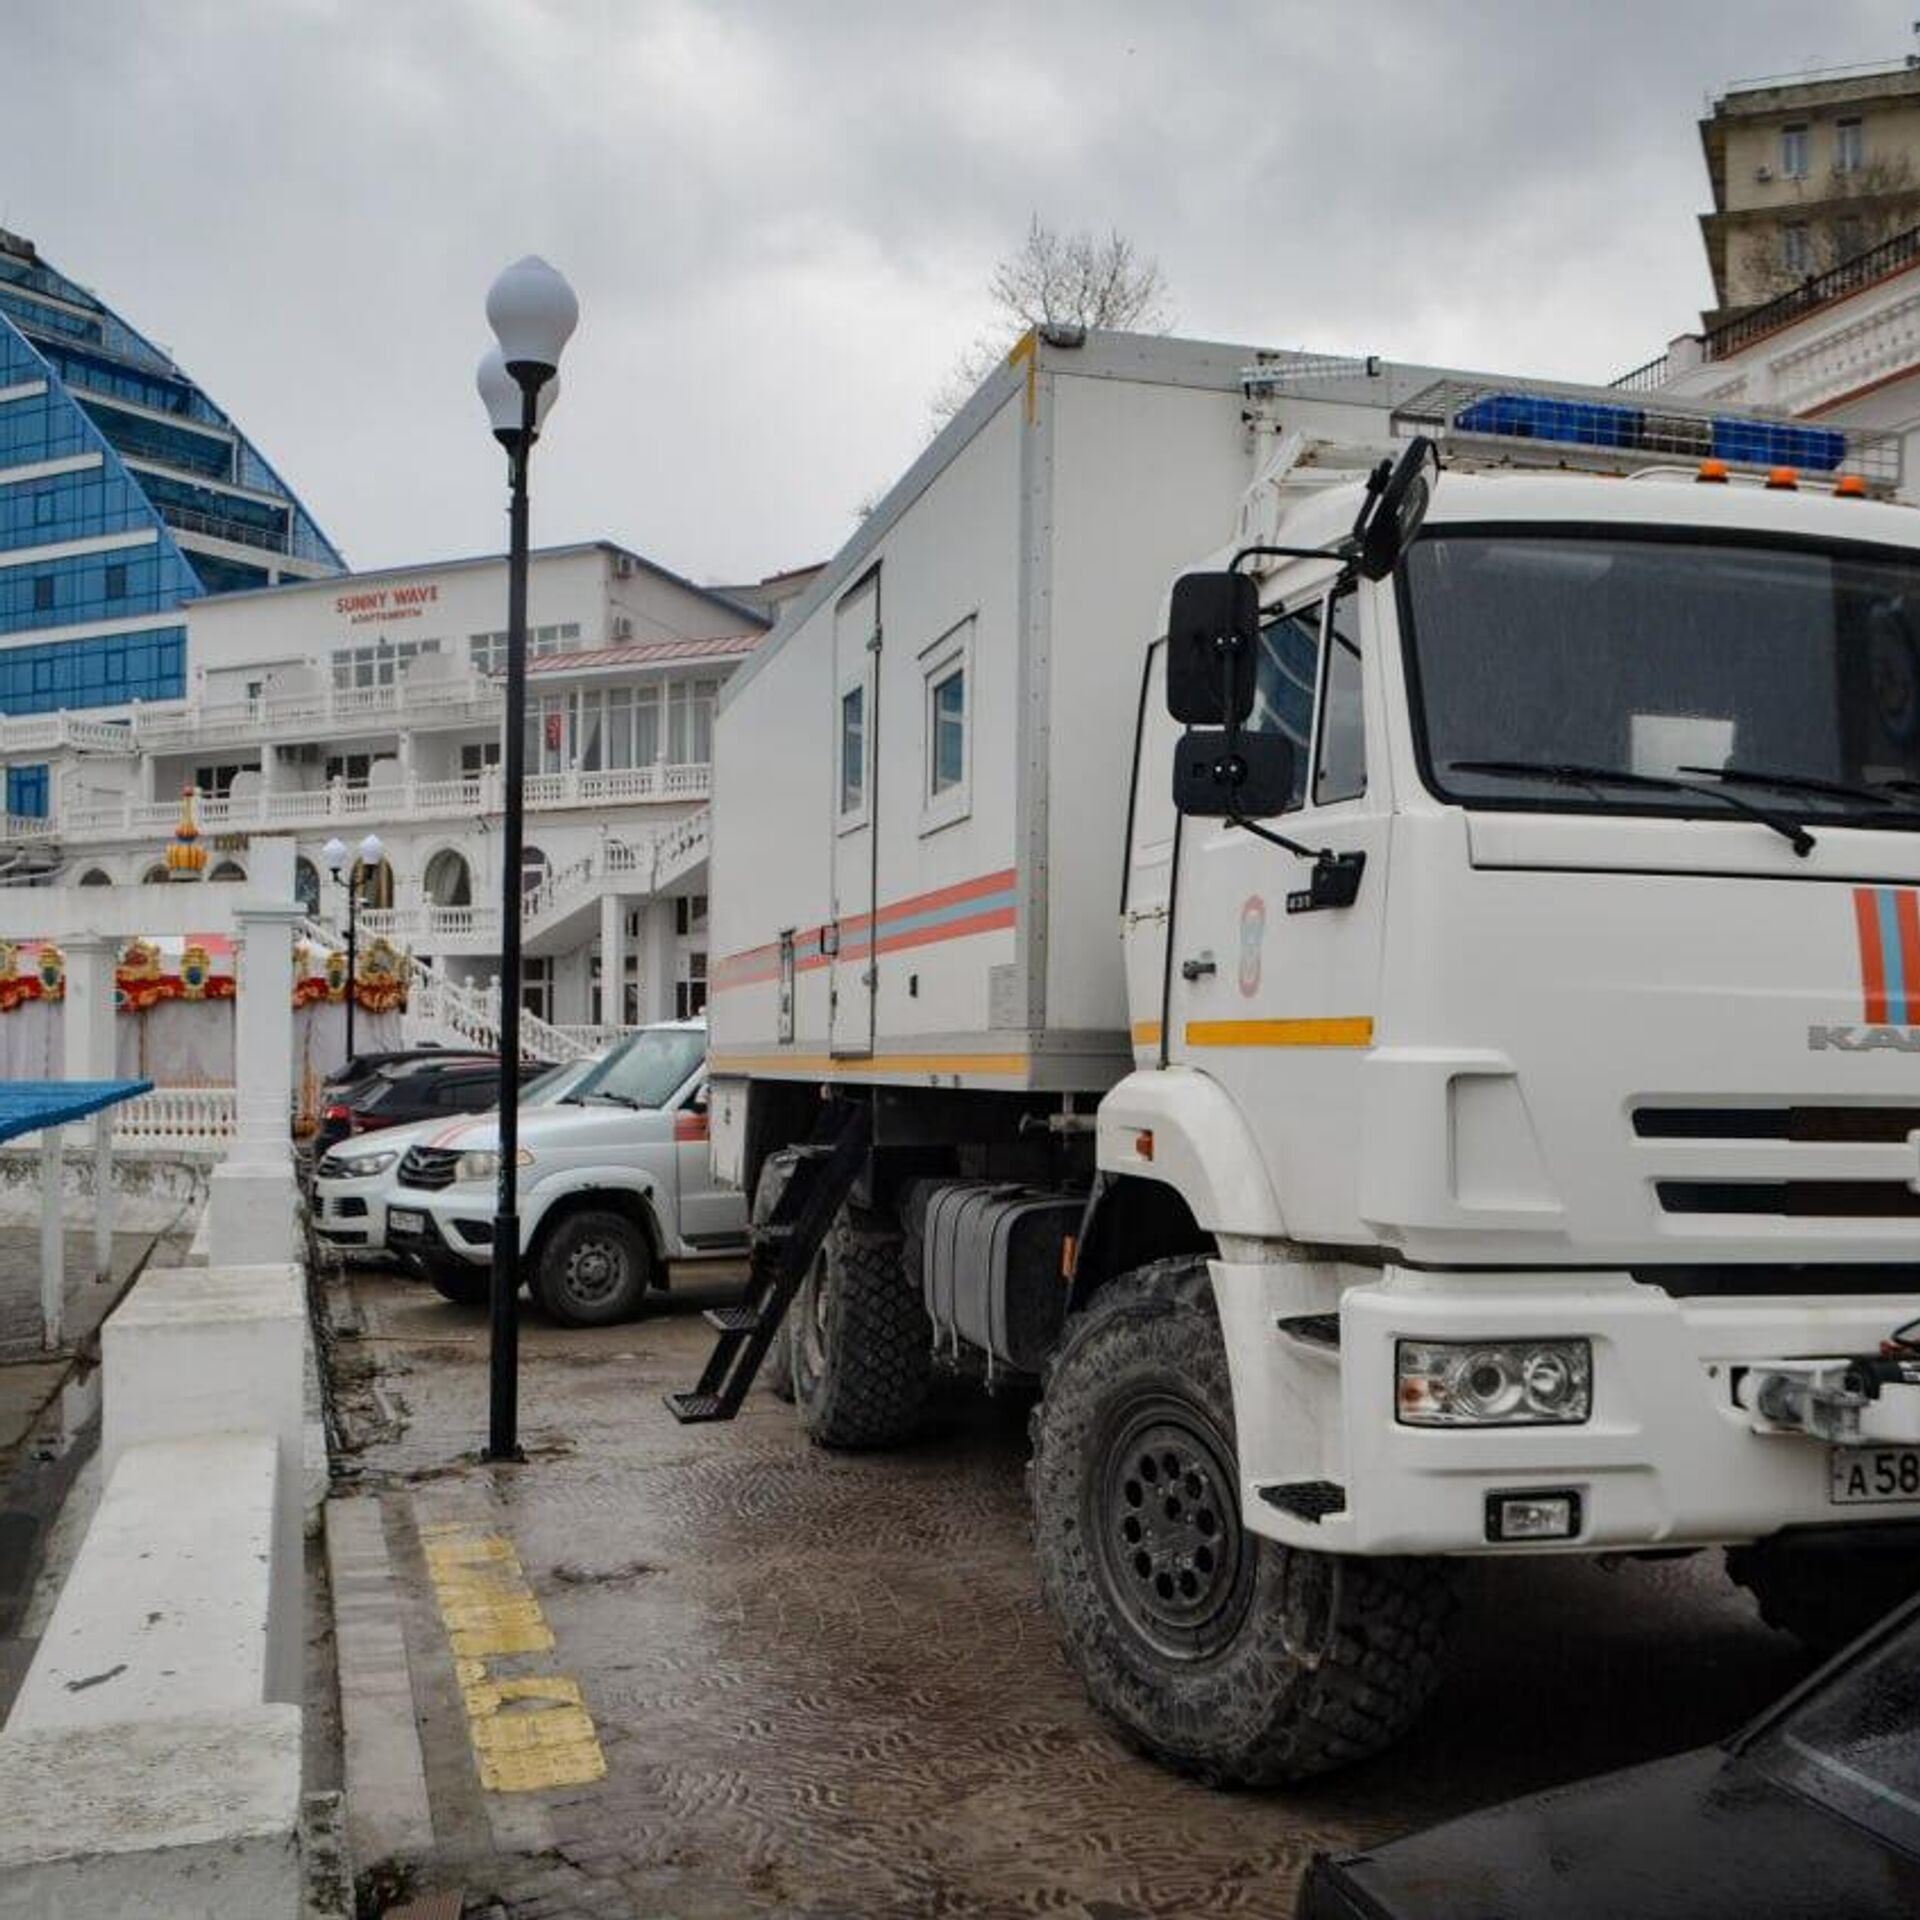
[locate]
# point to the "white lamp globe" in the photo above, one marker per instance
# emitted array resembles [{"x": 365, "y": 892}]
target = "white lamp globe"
[
  {"x": 371, "y": 851},
  {"x": 533, "y": 313},
  {"x": 500, "y": 392},
  {"x": 334, "y": 853}
]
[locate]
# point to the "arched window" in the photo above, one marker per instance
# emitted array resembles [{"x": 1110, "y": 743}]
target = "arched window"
[
  {"x": 306, "y": 883},
  {"x": 154, "y": 876},
  {"x": 96, "y": 877},
  {"x": 449, "y": 880},
  {"x": 228, "y": 870},
  {"x": 533, "y": 868}
]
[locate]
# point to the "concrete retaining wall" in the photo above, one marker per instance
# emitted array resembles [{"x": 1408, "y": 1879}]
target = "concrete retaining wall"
[{"x": 151, "y": 1765}]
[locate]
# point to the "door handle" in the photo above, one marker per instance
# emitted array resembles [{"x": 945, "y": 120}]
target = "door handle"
[{"x": 1198, "y": 967}]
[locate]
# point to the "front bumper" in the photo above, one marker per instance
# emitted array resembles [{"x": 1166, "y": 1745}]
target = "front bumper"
[
  {"x": 352, "y": 1214},
  {"x": 455, "y": 1222},
  {"x": 1669, "y": 1457}
]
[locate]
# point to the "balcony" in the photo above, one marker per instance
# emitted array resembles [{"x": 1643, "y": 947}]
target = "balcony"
[
  {"x": 324, "y": 713},
  {"x": 398, "y": 803}
]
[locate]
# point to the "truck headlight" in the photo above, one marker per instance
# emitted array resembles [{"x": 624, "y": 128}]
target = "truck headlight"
[
  {"x": 486, "y": 1166},
  {"x": 356, "y": 1166},
  {"x": 1494, "y": 1383}
]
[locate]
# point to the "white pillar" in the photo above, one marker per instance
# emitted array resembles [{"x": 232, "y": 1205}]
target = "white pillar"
[
  {"x": 252, "y": 1212},
  {"x": 87, "y": 1024},
  {"x": 613, "y": 960},
  {"x": 659, "y": 949}
]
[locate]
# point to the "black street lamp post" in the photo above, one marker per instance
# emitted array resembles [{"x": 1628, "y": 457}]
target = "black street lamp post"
[
  {"x": 533, "y": 313},
  {"x": 366, "y": 862}
]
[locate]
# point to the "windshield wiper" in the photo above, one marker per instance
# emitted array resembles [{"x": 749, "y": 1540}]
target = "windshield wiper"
[
  {"x": 1571, "y": 773},
  {"x": 1884, "y": 794},
  {"x": 613, "y": 1099}
]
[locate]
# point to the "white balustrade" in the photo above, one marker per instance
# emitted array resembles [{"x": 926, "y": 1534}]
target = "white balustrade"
[{"x": 178, "y": 1117}]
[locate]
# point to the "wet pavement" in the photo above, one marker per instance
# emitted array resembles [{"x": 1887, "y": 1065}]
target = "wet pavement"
[{"x": 824, "y": 1685}]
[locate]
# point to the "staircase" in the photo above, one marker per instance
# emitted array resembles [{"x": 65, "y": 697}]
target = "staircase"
[
  {"x": 441, "y": 1012},
  {"x": 782, "y": 1249},
  {"x": 552, "y": 914}
]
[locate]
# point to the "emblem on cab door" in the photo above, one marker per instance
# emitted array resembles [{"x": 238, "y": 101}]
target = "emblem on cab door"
[{"x": 1253, "y": 933}]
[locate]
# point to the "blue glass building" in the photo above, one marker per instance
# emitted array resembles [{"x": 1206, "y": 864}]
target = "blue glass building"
[{"x": 124, "y": 493}]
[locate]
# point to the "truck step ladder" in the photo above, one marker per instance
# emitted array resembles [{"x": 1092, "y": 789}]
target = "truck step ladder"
[{"x": 783, "y": 1250}]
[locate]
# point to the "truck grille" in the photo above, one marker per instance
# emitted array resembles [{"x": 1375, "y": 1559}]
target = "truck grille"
[
  {"x": 1806, "y": 1162},
  {"x": 428, "y": 1167},
  {"x": 1864, "y": 1125}
]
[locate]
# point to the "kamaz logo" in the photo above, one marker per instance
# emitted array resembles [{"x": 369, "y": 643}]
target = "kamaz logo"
[{"x": 1863, "y": 1039}]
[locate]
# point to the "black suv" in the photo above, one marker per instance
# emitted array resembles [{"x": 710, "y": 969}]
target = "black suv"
[{"x": 419, "y": 1089}]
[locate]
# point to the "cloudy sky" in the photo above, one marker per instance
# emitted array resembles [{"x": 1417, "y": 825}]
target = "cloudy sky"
[{"x": 781, "y": 214}]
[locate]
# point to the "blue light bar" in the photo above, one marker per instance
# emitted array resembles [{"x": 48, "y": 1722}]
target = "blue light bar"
[{"x": 1592, "y": 423}]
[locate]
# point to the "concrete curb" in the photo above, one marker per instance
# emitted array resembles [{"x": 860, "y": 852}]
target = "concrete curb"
[{"x": 388, "y": 1812}]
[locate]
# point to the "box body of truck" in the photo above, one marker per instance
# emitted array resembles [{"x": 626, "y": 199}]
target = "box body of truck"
[{"x": 917, "y": 855}]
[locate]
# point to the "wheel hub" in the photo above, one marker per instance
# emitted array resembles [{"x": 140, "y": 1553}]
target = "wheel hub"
[
  {"x": 1170, "y": 1533},
  {"x": 594, "y": 1271}
]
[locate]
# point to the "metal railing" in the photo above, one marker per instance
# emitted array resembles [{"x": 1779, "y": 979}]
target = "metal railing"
[{"x": 1818, "y": 290}]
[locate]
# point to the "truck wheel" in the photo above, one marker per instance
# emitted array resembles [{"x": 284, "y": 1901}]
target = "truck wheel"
[
  {"x": 776, "y": 1370},
  {"x": 1824, "y": 1596},
  {"x": 465, "y": 1286},
  {"x": 862, "y": 1345},
  {"x": 1213, "y": 1650},
  {"x": 594, "y": 1269}
]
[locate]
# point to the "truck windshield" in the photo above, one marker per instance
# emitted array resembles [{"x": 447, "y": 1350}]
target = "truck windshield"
[
  {"x": 1853, "y": 1745},
  {"x": 1790, "y": 675}
]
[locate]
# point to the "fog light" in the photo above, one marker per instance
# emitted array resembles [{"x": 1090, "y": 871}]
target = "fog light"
[
  {"x": 1494, "y": 1383},
  {"x": 1552, "y": 1515}
]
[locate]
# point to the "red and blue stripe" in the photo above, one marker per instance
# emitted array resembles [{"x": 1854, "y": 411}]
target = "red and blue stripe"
[{"x": 1888, "y": 922}]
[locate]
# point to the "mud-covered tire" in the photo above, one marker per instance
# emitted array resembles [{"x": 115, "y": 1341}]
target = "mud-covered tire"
[
  {"x": 1825, "y": 1596},
  {"x": 594, "y": 1269},
  {"x": 776, "y": 1370},
  {"x": 1215, "y": 1651},
  {"x": 862, "y": 1345},
  {"x": 452, "y": 1280}
]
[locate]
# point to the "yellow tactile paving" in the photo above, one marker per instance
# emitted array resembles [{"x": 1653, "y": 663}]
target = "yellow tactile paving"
[{"x": 529, "y": 1731}]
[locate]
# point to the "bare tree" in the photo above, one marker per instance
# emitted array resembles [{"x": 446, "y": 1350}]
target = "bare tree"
[{"x": 1060, "y": 280}]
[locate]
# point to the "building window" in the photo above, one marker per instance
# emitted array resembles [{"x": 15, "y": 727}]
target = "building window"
[
  {"x": 43, "y": 593},
  {"x": 853, "y": 750},
  {"x": 1796, "y": 250},
  {"x": 1849, "y": 237},
  {"x": 1849, "y": 146},
  {"x": 1793, "y": 152},
  {"x": 218, "y": 781},
  {"x": 689, "y": 912},
  {"x": 354, "y": 768},
  {"x": 536, "y": 985},
  {"x": 27, "y": 792},
  {"x": 690, "y": 994},
  {"x": 477, "y": 756},
  {"x": 377, "y": 665},
  {"x": 116, "y": 583},
  {"x": 488, "y": 651},
  {"x": 690, "y": 722}
]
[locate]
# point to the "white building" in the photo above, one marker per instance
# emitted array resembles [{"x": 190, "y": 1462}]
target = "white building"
[{"x": 372, "y": 703}]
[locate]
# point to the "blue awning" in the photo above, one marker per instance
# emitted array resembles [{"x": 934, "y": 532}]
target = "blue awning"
[{"x": 27, "y": 1106}]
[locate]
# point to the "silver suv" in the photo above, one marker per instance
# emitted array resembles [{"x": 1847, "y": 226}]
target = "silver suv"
[{"x": 615, "y": 1182}]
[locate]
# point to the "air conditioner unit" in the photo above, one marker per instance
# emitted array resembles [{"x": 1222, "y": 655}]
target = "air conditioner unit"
[
  {"x": 1763, "y": 173},
  {"x": 623, "y": 626},
  {"x": 623, "y": 566}
]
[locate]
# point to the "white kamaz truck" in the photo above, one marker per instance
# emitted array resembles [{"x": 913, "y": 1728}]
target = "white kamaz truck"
[{"x": 1360, "y": 924}]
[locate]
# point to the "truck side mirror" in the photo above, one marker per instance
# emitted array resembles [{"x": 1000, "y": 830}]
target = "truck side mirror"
[
  {"x": 1213, "y": 632},
  {"x": 1221, "y": 776},
  {"x": 1396, "y": 510}
]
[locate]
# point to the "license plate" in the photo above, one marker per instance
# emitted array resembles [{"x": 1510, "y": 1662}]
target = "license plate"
[
  {"x": 405, "y": 1220},
  {"x": 1866, "y": 1476}
]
